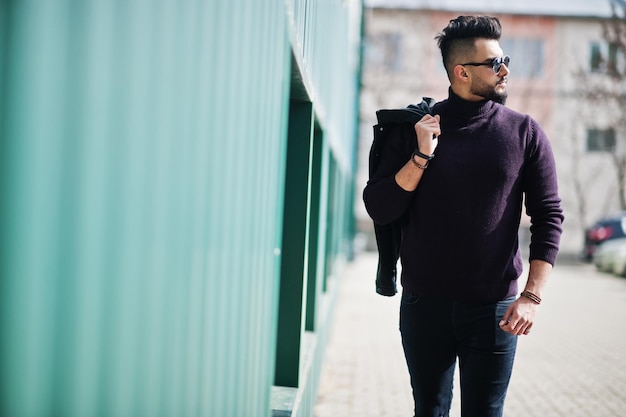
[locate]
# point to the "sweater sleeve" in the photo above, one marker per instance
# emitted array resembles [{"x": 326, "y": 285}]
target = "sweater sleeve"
[
  {"x": 543, "y": 204},
  {"x": 385, "y": 201}
]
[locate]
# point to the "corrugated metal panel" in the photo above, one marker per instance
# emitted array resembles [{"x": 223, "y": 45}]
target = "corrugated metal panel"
[
  {"x": 325, "y": 50},
  {"x": 142, "y": 182},
  {"x": 326, "y": 36},
  {"x": 143, "y": 161}
]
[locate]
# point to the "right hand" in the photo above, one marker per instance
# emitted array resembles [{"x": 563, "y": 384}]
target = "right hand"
[{"x": 428, "y": 131}]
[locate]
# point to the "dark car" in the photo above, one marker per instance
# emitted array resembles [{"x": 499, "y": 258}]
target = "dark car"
[{"x": 605, "y": 229}]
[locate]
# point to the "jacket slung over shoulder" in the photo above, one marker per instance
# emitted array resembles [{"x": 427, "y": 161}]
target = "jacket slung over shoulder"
[{"x": 388, "y": 235}]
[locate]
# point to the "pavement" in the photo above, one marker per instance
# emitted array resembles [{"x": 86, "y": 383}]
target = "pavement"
[{"x": 573, "y": 364}]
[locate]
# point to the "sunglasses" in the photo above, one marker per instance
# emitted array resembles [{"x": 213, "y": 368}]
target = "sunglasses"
[{"x": 495, "y": 64}]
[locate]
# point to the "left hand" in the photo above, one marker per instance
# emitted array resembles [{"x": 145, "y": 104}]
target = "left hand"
[
  {"x": 427, "y": 131},
  {"x": 519, "y": 317}
]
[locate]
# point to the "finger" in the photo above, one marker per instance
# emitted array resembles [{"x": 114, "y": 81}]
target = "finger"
[
  {"x": 510, "y": 331},
  {"x": 516, "y": 327},
  {"x": 507, "y": 325},
  {"x": 524, "y": 327},
  {"x": 429, "y": 124},
  {"x": 527, "y": 329},
  {"x": 508, "y": 315},
  {"x": 513, "y": 328},
  {"x": 438, "y": 132}
]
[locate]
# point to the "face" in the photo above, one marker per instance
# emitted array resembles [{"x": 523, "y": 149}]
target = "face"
[{"x": 484, "y": 83}]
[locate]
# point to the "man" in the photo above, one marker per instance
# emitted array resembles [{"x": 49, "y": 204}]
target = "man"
[{"x": 459, "y": 191}]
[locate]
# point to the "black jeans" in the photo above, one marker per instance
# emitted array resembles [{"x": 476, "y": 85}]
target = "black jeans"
[{"x": 435, "y": 332}]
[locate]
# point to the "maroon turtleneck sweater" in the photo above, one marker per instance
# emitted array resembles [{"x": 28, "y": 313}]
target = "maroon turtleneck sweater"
[{"x": 460, "y": 226}]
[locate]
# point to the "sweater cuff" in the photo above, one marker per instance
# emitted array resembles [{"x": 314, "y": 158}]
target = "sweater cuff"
[
  {"x": 386, "y": 201},
  {"x": 548, "y": 255}
]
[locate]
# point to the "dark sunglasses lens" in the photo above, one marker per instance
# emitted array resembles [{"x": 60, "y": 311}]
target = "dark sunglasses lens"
[{"x": 497, "y": 63}]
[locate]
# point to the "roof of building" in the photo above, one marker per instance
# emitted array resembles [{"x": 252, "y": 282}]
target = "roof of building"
[{"x": 565, "y": 8}]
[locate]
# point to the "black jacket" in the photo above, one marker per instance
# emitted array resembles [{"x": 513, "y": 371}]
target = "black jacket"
[{"x": 388, "y": 236}]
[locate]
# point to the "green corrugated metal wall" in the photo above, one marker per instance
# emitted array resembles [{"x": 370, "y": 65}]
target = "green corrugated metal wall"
[{"x": 142, "y": 184}]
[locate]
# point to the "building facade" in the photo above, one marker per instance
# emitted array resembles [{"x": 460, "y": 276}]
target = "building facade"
[
  {"x": 550, "y": 44},
  {"x": 177, "y": 182}
]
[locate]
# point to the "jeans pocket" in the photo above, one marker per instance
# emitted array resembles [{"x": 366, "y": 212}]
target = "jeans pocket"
[
  {"x": 505, "y": 342},
  {"x": 409, "y": 298},
  {"x": 503, "y": 305}
]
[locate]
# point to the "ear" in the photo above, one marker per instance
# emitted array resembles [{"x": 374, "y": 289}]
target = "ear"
[{"x": 460, "y": 73}]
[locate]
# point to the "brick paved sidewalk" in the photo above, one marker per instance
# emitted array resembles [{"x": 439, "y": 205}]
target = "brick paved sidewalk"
[{"x": 572, "y": 365}]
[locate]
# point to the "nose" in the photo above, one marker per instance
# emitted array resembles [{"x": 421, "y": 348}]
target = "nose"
[{"x": 504, "y": 69}]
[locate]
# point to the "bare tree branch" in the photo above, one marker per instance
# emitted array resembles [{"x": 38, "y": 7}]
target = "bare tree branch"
[{"x": 605, "y": 89}]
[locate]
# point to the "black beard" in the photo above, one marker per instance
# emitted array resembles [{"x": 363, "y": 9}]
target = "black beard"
[
  {"x": 498, "y": 97},
  {"x": 489, "y": 93}
]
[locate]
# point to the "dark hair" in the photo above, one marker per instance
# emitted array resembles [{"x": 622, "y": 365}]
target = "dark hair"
[{"x": 458, "y": 37}]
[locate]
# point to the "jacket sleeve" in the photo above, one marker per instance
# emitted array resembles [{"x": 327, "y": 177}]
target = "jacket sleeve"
[
  {"x": 385, "y": 201},
  {"x": 543, "y": 204}
]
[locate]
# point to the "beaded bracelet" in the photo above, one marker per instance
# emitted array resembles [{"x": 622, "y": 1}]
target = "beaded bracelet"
[
  {"x": 533, "y": 297},
  {"x": 417, "y": 164}
]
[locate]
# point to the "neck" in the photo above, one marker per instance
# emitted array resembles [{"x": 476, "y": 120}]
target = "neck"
[
  {"x": 469, "y": 108},
  {"x": 465, "y": 94}
]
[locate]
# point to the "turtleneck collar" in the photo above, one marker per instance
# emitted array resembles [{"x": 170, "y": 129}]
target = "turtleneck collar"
[{"x": 468, "y": 109}]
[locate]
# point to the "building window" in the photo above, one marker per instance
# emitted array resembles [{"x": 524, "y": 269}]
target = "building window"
[
  {"x": 384, "y": 50},
  {"x": 600, "y": 140},
  {"x": 527, "y": 56},
  {"x": 606, "y": 57}
]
